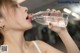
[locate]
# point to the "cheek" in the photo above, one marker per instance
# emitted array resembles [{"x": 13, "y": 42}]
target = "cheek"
[
  {"x": 10, "y": 23},
  {"x": 20, "y": 15}
]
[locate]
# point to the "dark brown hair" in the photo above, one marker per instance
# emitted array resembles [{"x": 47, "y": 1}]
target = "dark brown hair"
[{"x": 6, "y": 3}]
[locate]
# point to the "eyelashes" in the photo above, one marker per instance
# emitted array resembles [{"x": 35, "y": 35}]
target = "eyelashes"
[{"x": 15, "y": 5}]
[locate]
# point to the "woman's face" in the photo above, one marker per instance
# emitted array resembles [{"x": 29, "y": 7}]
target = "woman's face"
[{"x": 16, "y": 18}]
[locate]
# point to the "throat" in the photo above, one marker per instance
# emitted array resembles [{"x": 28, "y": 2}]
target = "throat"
[
  {"x": 15, "y": 41},
  {"x": 15, "y": 38}
]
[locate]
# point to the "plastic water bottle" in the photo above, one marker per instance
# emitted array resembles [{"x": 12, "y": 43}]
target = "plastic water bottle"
[{"x": 43, "y": 18}]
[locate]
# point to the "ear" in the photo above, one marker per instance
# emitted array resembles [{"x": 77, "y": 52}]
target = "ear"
[{"x": 2, "y": 22}]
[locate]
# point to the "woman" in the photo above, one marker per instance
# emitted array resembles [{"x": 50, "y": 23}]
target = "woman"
[{"x": 13, "y": 23}]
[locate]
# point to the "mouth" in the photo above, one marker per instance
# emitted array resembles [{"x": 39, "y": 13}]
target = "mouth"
[{"x": 29, "y": 17}]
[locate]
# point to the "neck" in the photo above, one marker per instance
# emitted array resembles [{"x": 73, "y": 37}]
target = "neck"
[{"x": 15, "y": 38}]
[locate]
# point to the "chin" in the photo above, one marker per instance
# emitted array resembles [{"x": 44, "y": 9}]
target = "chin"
[{"x": 29, "y": 27}]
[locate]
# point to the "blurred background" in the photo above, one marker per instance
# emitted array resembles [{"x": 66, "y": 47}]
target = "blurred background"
[{"x": 39, "y": 32}]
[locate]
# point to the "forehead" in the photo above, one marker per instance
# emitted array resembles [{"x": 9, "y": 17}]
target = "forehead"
[
  {"x": 8, "y": 3},
  {"x": 8, "y": 6}
]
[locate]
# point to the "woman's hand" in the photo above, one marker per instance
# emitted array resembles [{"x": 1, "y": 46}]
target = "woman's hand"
[
  {"x": 57, "y": 19},
  {"x": 69, "y": 43}
]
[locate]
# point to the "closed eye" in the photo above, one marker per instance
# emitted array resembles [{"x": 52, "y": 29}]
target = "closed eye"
[{"x": 15, "y": 4}]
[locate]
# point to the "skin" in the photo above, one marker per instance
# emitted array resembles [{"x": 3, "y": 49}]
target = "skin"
[{"x": 15, "y": 24}]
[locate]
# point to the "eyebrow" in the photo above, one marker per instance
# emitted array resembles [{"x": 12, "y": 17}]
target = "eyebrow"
[{"x": 15, "y": 2}]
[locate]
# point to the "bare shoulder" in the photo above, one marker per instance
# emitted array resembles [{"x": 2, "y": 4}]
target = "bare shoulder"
[{"x": 47, "y": 48}]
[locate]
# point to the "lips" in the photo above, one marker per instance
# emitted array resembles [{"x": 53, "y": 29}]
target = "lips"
[{"x": 29, "y": 17}]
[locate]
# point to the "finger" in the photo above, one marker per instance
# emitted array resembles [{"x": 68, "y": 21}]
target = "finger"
[
  {"x": 55, "y": 19},
  {"x": 58, "y": 12},
  {"x": 45, "y": 13},
  {"x": 53, "y": 12},
  {"x": 60, "y": 18},
  {"x": 52, "y": 27},
  {"x": 48, "y": 10}
]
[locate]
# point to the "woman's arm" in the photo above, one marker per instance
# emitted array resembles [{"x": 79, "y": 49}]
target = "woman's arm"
[
  {"x": 68, "y": 42},
  {"x": 63, "y": 34}
]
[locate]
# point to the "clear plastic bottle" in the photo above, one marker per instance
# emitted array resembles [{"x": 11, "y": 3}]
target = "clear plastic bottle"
[{"x": 44, "y": 18}]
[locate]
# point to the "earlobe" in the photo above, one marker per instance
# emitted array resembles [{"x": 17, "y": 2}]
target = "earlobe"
[{"x": 2, "y": 22}]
